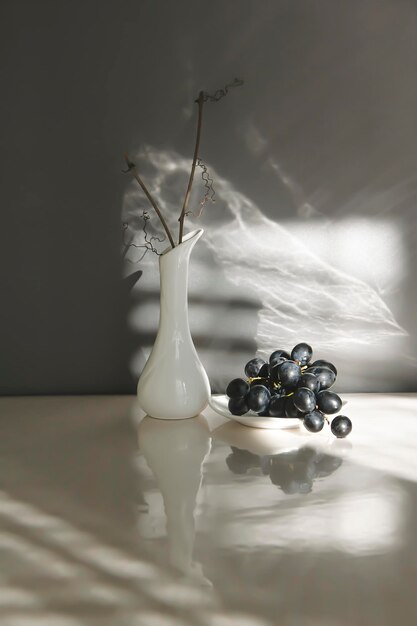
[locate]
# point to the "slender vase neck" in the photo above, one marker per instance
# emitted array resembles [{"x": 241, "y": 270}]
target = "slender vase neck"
[{"x": 174, "y": 282}]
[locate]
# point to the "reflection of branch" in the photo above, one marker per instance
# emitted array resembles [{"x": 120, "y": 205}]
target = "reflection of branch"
[
  {"x": 127, "y": 246},
  {"x": 131, "y": 167},
  {"x": 200, "y": 102}
]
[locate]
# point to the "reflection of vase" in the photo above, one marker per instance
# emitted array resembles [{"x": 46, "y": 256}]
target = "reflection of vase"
[
  {"x": 174, "y": 384},
  {"x": 175, "y": 453}
]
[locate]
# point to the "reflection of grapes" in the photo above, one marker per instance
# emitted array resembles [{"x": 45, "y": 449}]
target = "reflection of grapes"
[
  {"x": 294, "y": 471},
  {"x": 301, "y": 384},
  {"x": 241, "y": 460}
]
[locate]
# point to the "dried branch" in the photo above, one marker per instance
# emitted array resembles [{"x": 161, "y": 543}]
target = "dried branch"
[
  {"x": 202, "y": 97},
  {"x": 200, "y": 102},
  {"x": 208, "y": 182},
  {"x": 131, "y": 167}
]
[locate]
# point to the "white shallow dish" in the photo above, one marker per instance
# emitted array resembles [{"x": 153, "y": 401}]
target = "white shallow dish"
[{"x": 219, "y": 403}]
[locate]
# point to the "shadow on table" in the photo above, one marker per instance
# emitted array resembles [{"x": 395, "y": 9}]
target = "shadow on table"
[{"x": 70, "y": 494}]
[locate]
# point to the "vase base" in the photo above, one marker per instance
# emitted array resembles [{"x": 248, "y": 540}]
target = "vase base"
[{"x": 172, "y": 419}]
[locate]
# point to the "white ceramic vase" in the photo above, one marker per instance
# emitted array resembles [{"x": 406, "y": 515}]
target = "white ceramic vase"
[{"x": 173, "y": 383}]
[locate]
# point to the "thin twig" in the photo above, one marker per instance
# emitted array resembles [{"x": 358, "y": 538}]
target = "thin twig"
[
  {"x": 220, "y": 93},
  {"x": 209, "y": 193},
  {"x": 149, "y": 242},
  {"x": 131, "y": 167},
  {"x": 147, "y": 246},
  {"x": 200, "y": 102}
]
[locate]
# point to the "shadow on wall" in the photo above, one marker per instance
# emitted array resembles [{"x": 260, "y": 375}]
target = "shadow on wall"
[{"x": 272, "y": 285}]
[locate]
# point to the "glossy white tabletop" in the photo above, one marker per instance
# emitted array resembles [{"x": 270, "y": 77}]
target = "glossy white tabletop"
[{"x": 109, "y": 517}]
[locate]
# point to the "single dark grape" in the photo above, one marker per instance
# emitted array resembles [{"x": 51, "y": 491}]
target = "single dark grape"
[
  {"x": 329, "y": 402},
  {"x": 258, "y": 398},
  {"x": 264, "y": 413},
  {"x": 291, "y": 410},
  {"x": 325, "y": 375},
  {"x": 324, "y": 363},
  {"x": 314, "y": 421},
  {"x": 264, "y": 371},
  {"x": 302, "y": 353},
  {"x": 277, "y": 355},
  {"x": 253, "y": 366},
  {"x": 273, "y": 371},
  {"x": 238, "y": 406},
  {"x": 277, "y": 362},
  {"x": 304, "y": 400},
  {"x": 289, "y": 374},
  {"x": 277, "y": 406},
  {"x": 310, "y": 381},
  {"x": 237, "y": 388},
  {"x": 341, "y": 426}
]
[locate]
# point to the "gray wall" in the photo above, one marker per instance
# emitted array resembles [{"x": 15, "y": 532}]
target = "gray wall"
[{"x": 318, "y": 149}]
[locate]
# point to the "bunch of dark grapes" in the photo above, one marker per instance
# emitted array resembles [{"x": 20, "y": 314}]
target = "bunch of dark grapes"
[{"x": 290, "y": 386}]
